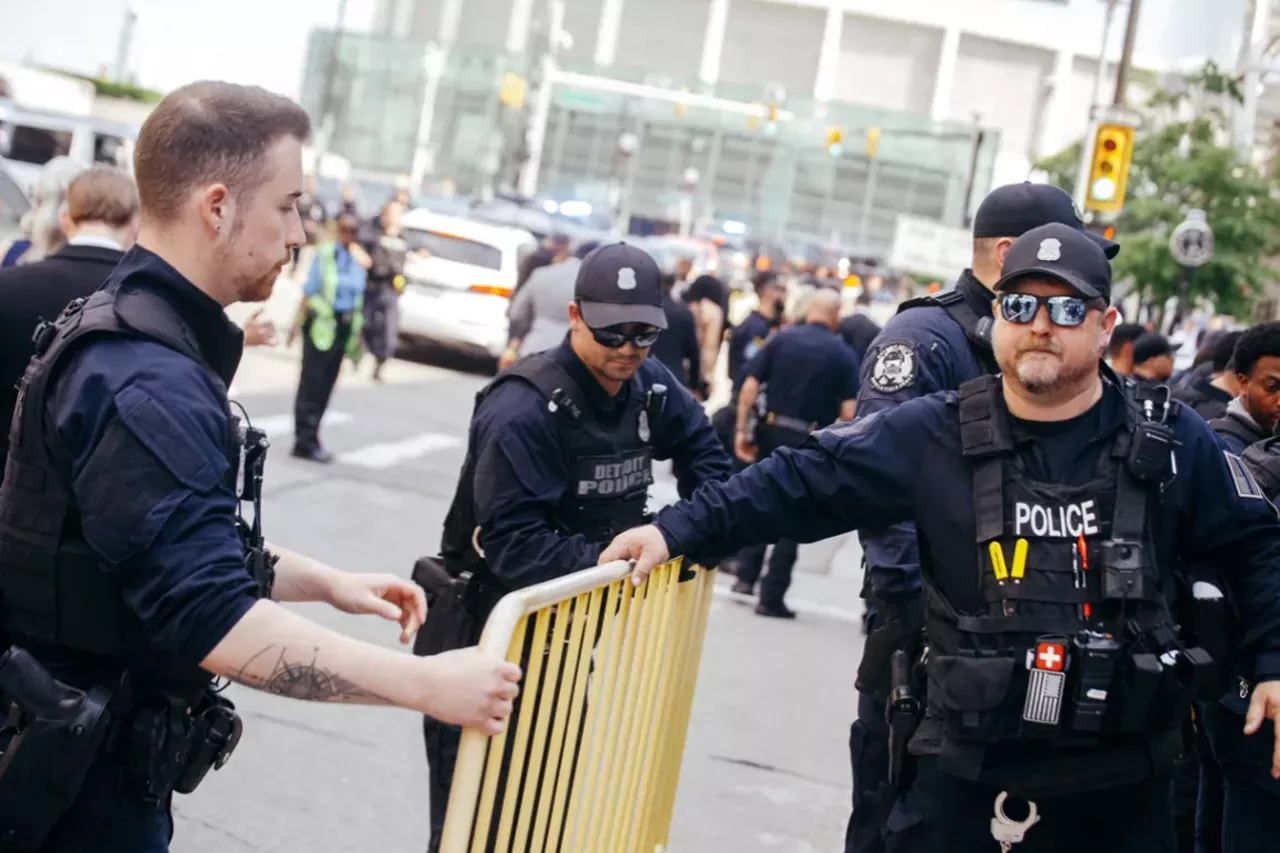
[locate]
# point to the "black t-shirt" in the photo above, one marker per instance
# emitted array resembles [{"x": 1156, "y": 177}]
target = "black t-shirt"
[
  {"x": 1067, "y": 452},
  {"x": 809, "y": 371}
]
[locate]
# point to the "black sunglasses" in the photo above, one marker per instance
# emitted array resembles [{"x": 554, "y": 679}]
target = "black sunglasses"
[
  {"x": 1063, "y": 310},
  {"x": 613, "y": 339}
]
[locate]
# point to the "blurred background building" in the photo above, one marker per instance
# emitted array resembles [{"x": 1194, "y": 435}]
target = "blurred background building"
[{"x": 864, "y": 110}]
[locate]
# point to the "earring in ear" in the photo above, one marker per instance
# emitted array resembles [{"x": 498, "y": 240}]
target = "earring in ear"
[{"x": 218, "y": 227}]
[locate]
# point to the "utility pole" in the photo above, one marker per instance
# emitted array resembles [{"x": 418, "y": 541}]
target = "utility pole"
[
  {"x": 1126, "y": 55},
  {"x": 328, "y": 112},
  {"x": 1086, "y": 145},
  {"x": 123, "y": 46}
]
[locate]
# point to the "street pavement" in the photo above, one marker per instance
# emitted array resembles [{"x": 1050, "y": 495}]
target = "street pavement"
[{"x": 766, "y": 766}]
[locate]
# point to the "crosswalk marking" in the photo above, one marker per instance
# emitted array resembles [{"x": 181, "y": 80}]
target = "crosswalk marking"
[
  {"x": 276, "y": 425},
  {"x": 390, "y": 453}
]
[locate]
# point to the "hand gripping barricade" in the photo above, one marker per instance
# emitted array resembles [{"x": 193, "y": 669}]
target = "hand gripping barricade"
[
  {"x": 56, "y": 598},
  {"x": 590, "y": 758}
]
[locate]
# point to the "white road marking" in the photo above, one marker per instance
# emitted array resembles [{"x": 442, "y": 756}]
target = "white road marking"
[
  {"x": 391, "y": 453},
  {"x": 275, "y": 425}
]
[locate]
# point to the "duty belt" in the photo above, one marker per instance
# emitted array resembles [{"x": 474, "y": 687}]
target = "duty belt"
[{"x": 788, "y": 422}]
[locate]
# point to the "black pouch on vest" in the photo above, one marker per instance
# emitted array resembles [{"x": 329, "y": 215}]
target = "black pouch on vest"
[
  {"x": 1139, "y": 688},
  {"x": 980, "y": 696},
  {"x": 1149, "y": 451},
  {"x": 451, "y": 623}
]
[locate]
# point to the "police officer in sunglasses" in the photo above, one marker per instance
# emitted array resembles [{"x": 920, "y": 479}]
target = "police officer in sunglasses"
[
  {"x": 559, "y": 461},
  {"x": 1057, "y": 508}
]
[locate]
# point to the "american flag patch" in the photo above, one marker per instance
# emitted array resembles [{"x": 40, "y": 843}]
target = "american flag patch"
[
  {"x": 1246, "y": 486},
  {"x": 1044, "y": 697}
]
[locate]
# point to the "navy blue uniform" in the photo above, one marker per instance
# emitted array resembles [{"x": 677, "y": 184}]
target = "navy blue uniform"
[
  {"x": 516, "y": 442},
  {"x": 809, "y": 372},
  {"x": 145, "y": 436},
  {"x": 745, "y": 342},
  {"x": 906, "y": 464}
]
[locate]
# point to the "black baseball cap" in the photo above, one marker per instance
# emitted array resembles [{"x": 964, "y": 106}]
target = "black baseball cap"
[
  {"x": 617, "y": 284},
  {"x": 1151, "y": 346},
  {"x": 1014, "y": 209},
  {"x": 1061, "y": 253}
]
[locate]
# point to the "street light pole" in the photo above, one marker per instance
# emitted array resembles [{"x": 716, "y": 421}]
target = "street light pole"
[
  {"x": 1086, "y": 145},
  {"x": 1126, "y": 55}
]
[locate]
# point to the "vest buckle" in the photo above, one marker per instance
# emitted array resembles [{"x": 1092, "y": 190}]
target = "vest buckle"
[{"x": 43, "y": 336}]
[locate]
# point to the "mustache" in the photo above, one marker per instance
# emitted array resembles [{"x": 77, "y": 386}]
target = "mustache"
[{"x": 1047, "y": 346}]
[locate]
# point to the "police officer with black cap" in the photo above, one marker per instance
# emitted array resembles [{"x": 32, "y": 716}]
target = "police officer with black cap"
[
  {"x": 1054, "y": 506},
  {"x": 129, "y": 579},
  {"x": 932, "y": 344},
  {"x": 559, "y": 461}
]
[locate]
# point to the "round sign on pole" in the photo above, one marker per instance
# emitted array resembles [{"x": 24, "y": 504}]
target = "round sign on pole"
[{"x": 1191, "y": 243}]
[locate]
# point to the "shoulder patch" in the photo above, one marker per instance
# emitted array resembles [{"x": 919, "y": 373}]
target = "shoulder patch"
[
  {"x": 894, "y": 367},
  {"x": 1246, "y": 486}
]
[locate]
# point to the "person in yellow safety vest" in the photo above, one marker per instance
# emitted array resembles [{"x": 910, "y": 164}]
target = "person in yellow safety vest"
[{"x": 329, "y": 317}]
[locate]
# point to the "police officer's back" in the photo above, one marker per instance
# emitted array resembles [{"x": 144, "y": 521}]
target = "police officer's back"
[
  {"x": 1054, "y": 505},
  {"x": 102, "y": 212},
  {"x": 559, "y": 460},
  {"x": 812, "y": 381},
  {"x": 129, "y": 579}
]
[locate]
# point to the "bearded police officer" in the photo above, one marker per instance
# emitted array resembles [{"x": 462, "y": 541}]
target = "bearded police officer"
[
  {"x": 933, "y": 344},
  {"x": 1053, "y": 506},
  {"x": 128, "y": 578},
  {"x": 559, "y": 461}
]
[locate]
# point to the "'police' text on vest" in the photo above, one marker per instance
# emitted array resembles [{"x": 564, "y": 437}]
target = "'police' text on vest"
[
  {"x": 598, "y": 478},
  {"x": 1065, "y": 522}
]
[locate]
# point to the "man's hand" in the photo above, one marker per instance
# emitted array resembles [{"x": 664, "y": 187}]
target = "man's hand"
[
  {"x": 394, "y": 599},
  {"x": 259, "y": 332},
  {"x": 644, "y": 545},
  {"x": 744, "y": 451},
  {"x": 508, "y": 357},
  {"x": 1265, "y": 705},
  {"x": 469, "y": 689}
]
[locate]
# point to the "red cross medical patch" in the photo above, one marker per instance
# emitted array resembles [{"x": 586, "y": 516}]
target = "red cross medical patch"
[{"x": 1050, "y": 656}]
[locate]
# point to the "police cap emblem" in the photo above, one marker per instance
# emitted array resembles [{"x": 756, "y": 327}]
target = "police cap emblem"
[
  {"x": 626, "y": 278},
  {"x": 894, "y": 368},
  {"x": 1050, "y": 249}
]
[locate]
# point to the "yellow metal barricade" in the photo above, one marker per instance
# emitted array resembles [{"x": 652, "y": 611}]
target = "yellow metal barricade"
[{"x": 589, "y": 761}]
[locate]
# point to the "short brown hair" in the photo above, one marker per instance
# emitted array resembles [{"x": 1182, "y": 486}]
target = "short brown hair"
[
  {"x": 102, "y": 194},
  {"x": 210, "y": 131}
]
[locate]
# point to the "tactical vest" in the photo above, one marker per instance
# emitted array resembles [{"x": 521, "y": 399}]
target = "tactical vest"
[
  {"x": 610, "y": 468},
  {"x": 977, "y": 327},
  {"x": 1071, "y": 592},
  {"x": 54, "y": 592}
]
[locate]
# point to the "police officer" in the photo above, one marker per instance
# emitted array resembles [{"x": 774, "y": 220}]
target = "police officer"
[
  {"x": 813, "y": 382},
  {"x": 931, "y": 344},
  {"x": 126, "y": 583},
  {"x": 559, "y": 461},
  {"x": 1053, "y": 507}
]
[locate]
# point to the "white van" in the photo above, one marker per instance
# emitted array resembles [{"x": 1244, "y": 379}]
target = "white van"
[{"x": 459, "y": 277}]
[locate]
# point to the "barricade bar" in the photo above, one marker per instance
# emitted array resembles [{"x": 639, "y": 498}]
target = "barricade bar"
[{"x": 590, "y": 758}]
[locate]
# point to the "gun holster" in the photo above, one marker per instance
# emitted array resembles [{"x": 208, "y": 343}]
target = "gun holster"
[
  {"x": 897, "y": 627},
  {"x": 51, "y": 738},
  {"x": 175, "y": 740},
  {"x": 903, "y": 710},
  {"x": 457, "y": 606}
]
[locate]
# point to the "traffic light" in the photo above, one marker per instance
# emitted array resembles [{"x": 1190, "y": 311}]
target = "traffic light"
[
  {"x": 512, "y": 92},
  {"x": 873, "y": 142},
  {"x": 835, "y": 141},
  {"x": 1109, "y": 171}
]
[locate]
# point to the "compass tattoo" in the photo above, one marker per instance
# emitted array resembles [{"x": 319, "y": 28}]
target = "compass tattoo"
[{"x": 299, "y": 679}]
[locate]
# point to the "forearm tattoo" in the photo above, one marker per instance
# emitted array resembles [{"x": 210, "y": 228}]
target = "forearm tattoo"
[{"x": 295, "y": 678}]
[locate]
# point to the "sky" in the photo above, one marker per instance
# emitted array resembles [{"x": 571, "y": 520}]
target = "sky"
[{"x": 260, "y": 42}]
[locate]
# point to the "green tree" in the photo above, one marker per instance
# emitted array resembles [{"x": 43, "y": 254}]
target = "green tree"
[{"x": 1179, "y": 164}]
